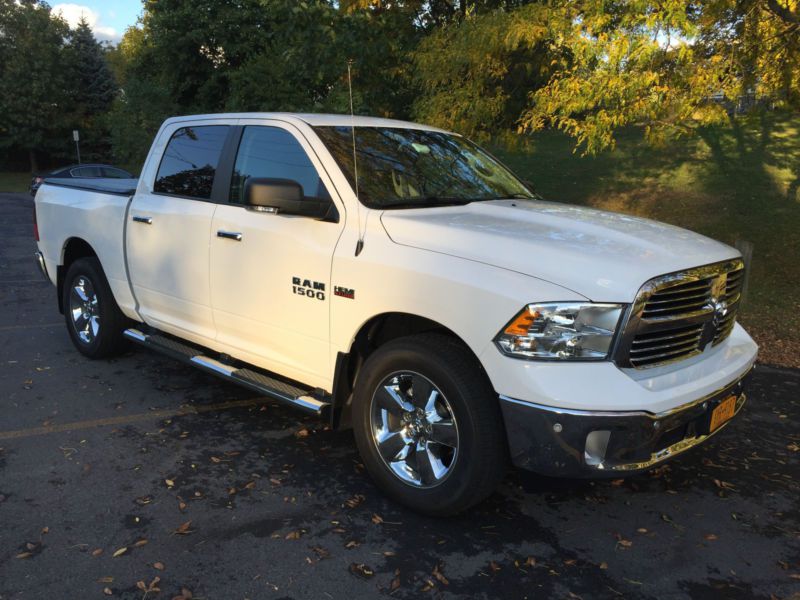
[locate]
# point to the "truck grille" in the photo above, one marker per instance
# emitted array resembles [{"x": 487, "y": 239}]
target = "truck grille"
[{"x": 676, "y": 316}]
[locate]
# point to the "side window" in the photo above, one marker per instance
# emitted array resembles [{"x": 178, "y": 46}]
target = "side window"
[
  {"x": 87, "y": 172},
  {"x": 274, "y": 153},
  {"x": 114, "y": 173},
  {"x": 190, "y": 161}
]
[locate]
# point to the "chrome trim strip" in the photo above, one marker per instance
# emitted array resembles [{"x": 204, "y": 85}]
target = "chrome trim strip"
[
  {"x": 136, "y": 335},
  {"x": 636, "y": 413},
  {"x": 212, "y": 365},
  {"x": 309, "y": 403},
  {"x": 145, "y": 220},
  {"x": 42, "y": 266}
]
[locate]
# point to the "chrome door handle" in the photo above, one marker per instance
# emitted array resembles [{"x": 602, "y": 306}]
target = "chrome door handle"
[
  {"x": 230, "y": 235},
  {"x": 145, "y": 220}
]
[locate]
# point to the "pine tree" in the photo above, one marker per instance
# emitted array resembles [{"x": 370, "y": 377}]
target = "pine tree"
[{"x": 95, "y": 87}]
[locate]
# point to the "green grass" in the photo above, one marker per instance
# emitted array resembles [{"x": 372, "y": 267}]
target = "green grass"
[
  {"x": 733, "y": 183},
  {"x": 14, "y": 182}
]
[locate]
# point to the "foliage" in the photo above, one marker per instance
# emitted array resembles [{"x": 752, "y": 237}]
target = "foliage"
[
  {"x": 662, "y": 63},
  {"x": 475, "y": 76},
  {"x": 33, "y": 103}
]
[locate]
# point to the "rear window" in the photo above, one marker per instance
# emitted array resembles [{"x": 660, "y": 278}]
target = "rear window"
[{"x": 190, "y": 161}]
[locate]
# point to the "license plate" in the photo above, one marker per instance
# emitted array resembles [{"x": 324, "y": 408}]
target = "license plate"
[{"x": 723, "y": 412}]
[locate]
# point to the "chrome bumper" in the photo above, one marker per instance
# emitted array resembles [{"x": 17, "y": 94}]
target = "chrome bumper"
[
  {"x": 576, "y": 443},
  {"x": 42, "y": 266}
]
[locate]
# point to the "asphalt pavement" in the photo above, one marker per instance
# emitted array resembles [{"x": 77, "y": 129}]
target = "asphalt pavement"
[{"x": 139, "y": 477}]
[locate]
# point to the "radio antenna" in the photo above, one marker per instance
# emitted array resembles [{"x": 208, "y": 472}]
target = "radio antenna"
[{"x": 360, "y": 242}]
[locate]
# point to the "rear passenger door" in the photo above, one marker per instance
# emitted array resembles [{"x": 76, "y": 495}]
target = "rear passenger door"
[
  {"x": 168, "y": 233},
  {"x": 270, "y": 273}
]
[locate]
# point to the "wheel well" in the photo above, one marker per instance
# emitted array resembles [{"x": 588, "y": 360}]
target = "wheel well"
[
  {"x": 376, "y": 332},
  {"x": 74, "y": 249}
]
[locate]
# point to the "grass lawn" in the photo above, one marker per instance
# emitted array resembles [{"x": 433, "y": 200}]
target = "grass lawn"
[
  {"x": 732, "y": 183},
  {"x": 14, "y": 182}
]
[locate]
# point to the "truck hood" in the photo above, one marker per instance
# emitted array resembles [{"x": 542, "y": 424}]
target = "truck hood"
[{"x": 601, "y": 255}]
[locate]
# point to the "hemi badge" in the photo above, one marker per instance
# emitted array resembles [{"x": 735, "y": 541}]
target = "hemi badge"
[{"x": 344, "y": 292}]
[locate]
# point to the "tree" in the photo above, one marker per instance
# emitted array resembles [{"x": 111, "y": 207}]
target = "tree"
[
  {"x": 664, "y": 64},
  {"x": 475, "y": 76},
  {"x": 93, "y": 88},
  {"x": 33, "y": 100}
]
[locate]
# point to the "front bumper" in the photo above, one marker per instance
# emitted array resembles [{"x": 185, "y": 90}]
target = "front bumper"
[{"x": 583, "y": 443}]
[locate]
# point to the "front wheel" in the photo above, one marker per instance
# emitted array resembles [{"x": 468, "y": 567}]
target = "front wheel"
[
  {"x": 428, "y": 425},
  {"x": 94, "y": 321}
]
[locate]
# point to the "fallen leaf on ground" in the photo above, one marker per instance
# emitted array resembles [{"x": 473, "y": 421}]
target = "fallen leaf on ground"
[
  {"x": 494, "y": 566},
  {"x": 183, "y": 529},
  {"x": 139, "y": 543},
  {"x": 361, "y": 570},
  {"x": 120, "y": 552},
  {"x": 185, "y": 594},
  {"x": 158, "y": 565},
  {"x": 97, "y": 552},
  {"x": 377, "y": 519},
  {"x": 437, "y": 572},
  {"x": 293, "y": 535},
  {"x": 354, "y": 501},
  {"x": 24, "y": 555},
  {"x": 169, "y": 483},
  {"x": 107, "y": 591},
  {"x": 711, "y": 537}
]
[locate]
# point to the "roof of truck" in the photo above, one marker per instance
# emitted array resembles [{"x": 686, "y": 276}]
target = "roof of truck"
[{"x": 313, "y": 119}]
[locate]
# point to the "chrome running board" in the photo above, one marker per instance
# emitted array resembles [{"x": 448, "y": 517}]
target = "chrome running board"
[{"x": 311, "y": 401}]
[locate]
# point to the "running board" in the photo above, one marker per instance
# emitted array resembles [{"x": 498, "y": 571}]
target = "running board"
[{"x": 311, "y": 401}]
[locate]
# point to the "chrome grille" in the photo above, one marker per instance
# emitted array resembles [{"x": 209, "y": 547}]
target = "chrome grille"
[
  {"x": 665, "y": 345},
  {"x": 679, "y": 299},
  {"x": 677, "y": 316}
]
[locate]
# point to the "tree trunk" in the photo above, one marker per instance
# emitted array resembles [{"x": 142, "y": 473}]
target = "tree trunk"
[{"x": 32, "y": 158}]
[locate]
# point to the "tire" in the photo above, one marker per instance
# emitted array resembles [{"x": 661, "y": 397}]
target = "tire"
[
  {"x": 442, "y": 452},
  {"x": 94, "y": 321}
]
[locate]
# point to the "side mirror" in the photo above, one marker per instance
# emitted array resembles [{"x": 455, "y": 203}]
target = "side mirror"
[{"x": 285, "y": 196}]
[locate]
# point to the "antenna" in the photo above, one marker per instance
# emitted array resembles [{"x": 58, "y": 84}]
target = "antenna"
[{"x": 360, "y": 242}]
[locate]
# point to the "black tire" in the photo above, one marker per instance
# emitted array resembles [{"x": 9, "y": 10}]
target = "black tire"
[
  {"x": 480, "y": 461},
  {"x": 107, "y": 339}
]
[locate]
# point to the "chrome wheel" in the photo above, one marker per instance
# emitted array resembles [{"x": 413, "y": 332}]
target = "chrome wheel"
[
  {"x": 84, "y": 309},
  {"x": 414, "y": 429}
]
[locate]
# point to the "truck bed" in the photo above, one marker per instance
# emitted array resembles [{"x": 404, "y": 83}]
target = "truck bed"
[{"x": 122, "y": 187}]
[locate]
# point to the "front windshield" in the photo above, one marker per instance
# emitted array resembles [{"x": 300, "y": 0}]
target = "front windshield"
[{"x": 408, "y": 168}]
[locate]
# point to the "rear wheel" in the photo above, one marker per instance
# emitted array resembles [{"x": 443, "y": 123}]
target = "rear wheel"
[
  {"x": 94, "y": 321},
  {"x": 428, "y": 425}
]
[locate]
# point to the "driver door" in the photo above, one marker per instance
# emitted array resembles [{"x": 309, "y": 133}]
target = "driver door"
[{"x": 271, "y": 273}]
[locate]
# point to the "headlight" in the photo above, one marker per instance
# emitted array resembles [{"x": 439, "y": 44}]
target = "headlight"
[{"x": 561, "y": 330}]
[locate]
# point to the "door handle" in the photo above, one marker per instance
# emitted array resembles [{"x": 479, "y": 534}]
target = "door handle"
[
  {"x": 230, "y": 235},
  {"x": 145, "y": 220}
]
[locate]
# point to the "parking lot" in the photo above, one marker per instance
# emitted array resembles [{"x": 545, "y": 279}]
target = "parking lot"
[{"x": 140, "y": 477}]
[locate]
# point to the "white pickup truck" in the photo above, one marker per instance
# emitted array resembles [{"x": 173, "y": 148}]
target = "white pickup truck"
[{"x": 397, "y": 279}]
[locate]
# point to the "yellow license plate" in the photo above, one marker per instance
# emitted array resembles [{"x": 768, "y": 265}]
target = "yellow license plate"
[{"x": 723, "y": 412}]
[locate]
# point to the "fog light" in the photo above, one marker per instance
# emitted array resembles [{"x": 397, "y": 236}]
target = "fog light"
[{"x": 594, "y": 453}]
